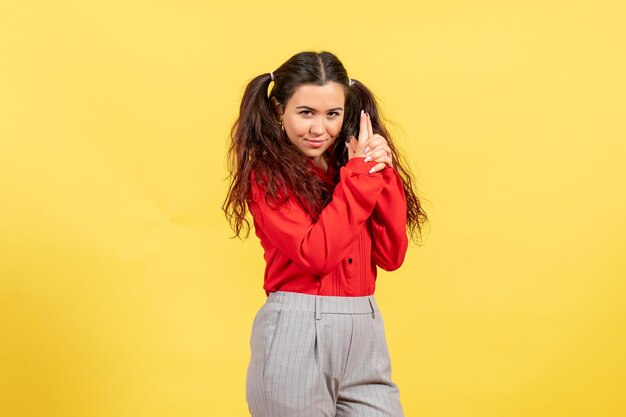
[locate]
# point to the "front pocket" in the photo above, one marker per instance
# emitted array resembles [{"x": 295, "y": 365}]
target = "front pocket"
[
  {"x": 383, "y": 361},
  {"x": 271, "y": 331}
]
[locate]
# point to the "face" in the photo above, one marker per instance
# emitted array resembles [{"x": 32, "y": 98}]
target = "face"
[{"x": 313, "y": 117}]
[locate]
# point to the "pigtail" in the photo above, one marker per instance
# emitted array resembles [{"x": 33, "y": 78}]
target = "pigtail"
[{"x": 253, "y": 126}]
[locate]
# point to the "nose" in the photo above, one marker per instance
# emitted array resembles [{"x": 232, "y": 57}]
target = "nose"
[{"x": 317, "y": 128}]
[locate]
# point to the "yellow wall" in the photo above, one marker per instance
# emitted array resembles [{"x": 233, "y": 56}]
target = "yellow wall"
[{"x": 121, "y": 293}]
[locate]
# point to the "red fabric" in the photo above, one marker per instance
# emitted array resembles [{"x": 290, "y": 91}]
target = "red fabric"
[{"x": 364, "y": 226}]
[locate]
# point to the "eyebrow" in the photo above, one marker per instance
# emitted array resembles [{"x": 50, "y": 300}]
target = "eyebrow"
[{"x": 311, "y": 108}]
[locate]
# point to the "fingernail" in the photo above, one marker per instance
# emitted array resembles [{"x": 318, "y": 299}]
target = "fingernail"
[
  {"x": 346, "y": 143},
  {"x": 371, "y": 170},
  {"x": 367, "y": 148},
  {"x": 369, "y": 158},
  {"x": 362, "y": 113}
]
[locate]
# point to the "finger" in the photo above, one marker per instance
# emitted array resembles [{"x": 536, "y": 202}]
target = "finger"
[
  {"x": 372, "y": 143},
  {"x": 382, "y": 146},
  {"x": 375, "y": 156},
  {"x": 372, "y": 156},
  {"x": 378, "y": 138},
  {"x": 386, "y": 160},
  {"x": 377, "y": 168},
  {"x": 375, "y": 141},
  {"x": 370, "y": 131},
  {"x": 363, "y": 128}
]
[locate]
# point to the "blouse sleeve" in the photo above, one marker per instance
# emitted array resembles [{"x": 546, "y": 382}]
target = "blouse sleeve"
[
  {"x": 390, "y": 240},
  {"x": 320, "y": 246}
]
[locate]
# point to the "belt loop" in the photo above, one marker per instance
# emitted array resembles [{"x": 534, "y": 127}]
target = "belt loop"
[
  {"x": 318, "y": 310},
  {"x": 372, "y": 306}
]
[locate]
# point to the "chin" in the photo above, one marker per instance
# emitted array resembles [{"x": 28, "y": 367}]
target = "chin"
[{"x": 313, "y": 154}]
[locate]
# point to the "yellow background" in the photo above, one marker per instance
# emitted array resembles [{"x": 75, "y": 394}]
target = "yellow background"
[{"x": 121, "y": 293}]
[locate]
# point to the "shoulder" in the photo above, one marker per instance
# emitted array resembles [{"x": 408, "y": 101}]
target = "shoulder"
[
  {"x": 257, "y": 185},
  {"x": 262, "y": 187}
]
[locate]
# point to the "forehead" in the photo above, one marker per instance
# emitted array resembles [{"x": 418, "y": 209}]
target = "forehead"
[{"x": 319, "y": 97}]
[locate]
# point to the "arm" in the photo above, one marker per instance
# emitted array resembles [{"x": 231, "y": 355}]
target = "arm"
[
  {"x": 389, "y": 223},
  {"x": 320, "y": 246}
]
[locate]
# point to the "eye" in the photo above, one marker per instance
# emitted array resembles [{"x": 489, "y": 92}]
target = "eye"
[
  {"x": 334, "y": 113},
  {"x": 304, "y": 111}
]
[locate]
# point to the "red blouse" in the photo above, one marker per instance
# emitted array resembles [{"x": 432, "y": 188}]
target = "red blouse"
[{"x": 364, "y": 226}]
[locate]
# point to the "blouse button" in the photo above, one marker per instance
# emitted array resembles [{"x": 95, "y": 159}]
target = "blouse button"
[{"x": 349, "y": 260}]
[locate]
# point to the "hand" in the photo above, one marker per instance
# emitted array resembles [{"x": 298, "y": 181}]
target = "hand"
[
  {"x": 356, "y": 148},
  {"x": 372, "y": 146}
]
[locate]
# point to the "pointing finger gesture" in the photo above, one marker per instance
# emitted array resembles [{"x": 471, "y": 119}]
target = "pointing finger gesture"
[{"x": 356, "y": 147}]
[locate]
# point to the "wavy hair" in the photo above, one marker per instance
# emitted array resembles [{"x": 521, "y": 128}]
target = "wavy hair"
[{"x": 259, "y": 145}]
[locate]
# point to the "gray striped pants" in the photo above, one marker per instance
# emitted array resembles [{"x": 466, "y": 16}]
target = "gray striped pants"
[{"x": 318, "y": 355}]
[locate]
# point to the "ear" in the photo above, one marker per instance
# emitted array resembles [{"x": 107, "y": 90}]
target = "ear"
[{"x": 278, "y": 109}]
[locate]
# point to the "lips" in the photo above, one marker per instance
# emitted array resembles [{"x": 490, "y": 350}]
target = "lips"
[{"x": 315, "y": 143}]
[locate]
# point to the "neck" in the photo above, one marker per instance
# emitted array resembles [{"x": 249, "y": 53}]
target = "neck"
[{"x": 322, "y": 161}]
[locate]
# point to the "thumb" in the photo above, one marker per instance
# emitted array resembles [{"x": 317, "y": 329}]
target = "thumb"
[{"x": 353, "y": 143}]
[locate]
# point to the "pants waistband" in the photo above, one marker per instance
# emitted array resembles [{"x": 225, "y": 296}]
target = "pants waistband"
[{"x": 324, "y": 304}]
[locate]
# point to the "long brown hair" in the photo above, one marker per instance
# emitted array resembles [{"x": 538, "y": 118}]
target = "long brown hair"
[{"x": 259, "y": 144}]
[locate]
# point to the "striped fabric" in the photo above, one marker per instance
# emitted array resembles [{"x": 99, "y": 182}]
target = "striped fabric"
[{"x": 320, "y": 356}]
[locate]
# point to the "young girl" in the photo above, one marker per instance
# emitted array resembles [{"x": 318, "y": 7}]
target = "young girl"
[{"x": 331, "y": 201}]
